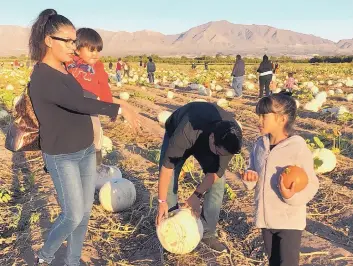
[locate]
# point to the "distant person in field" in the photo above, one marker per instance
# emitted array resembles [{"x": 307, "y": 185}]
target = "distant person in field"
[
  {"x": 290, "y": 82},
  {"x": 206, "y": 65},
  {"x": 151, "y": 68},
  {"x": 110, "y": 65},
  {"x": 280, "y": 211},
  {"x": 193, "y": 66},
  {"x": 140, "y": 61},
  {"x": 265, "y": 72},
  {"x": 212, "y": 136},
  {"x": 276, "y": 68},
  {"x": 126, "y": 69},
  {"x": 119, "y": 70},
  {"x": 238, "y": 76}
]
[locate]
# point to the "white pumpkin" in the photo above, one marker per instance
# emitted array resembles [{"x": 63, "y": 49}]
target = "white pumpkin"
[
  {"x": 107, "y": 146},
  {"x": 315, "y": 90},
  {"x": 106, "y": 176},
  {"x": 349, "y": 97},
  {"x": 320, "y": 98},
  {"x": 163, "y": 117},
  {"x": 339, "y": 91},
  {"x": 330, "y": 82},
  {"x": 194, "y": 86},
  {"x": 4, "y": 115},
  {"x": 119, "y": 85},
  {"x": 312, "y": 106},
  {"x": 250, "y": 86},
  {"x": 170, "y": 95},
  {"x": 124, "y": 96},
  {"x": 310, "y": 85},
  {"x": 212, "y": 86},
  {"x": 331, "y": 92},
  {"x": 230, "y": 94},
  {"x": 180, "y": 233},
  {"x": 328, "y": 159},
  {"x": 9, "y": 87},
  {"x": 117, "y": 195},
  {"x": 22, "y": 82},
  {"x": 349, "y": 83},
  {"x": 219, "y": 88},
  {"x": 204, "y": 91},
  {"x": 200, "y": 100},
  {"x": 222, "y": 103}
]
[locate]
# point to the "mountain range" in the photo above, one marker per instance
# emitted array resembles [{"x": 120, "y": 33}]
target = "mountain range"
[{"x": 216, "y": 37}]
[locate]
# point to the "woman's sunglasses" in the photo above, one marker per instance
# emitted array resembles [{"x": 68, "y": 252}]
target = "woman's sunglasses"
[{"x": 68, "y": 42}]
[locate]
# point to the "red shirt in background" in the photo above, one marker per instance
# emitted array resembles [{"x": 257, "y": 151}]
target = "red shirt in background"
[
  {"x": 92, "y": 78},
  {"x": 119, "y": 66}
]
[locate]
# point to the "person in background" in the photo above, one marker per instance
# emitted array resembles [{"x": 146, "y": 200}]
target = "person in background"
[
  {"x": 280, "y": 211},
  {"x": 140, "y": 61},
  {"x": 290, "y": 83},
  {"x": 212, "y": 136},
  {"x": 126, "y": 69},
  {"x": 276, "y": 68},
  {"x": 151, "y": 68},
  {"x": 110, "y": 65},
  {"x": 238, "y": 76},
  {"x": 119, "y": 70},
  {"x": 193, "y": 65},
  {"x": 206, "y": 65},
  {"x": 265, "y": 70}
]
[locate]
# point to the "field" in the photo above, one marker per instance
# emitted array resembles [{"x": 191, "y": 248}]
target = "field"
[{"x": 129, "y": 238}]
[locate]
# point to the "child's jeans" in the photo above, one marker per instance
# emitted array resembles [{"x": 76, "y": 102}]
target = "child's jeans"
[
  {"x": 118, "y": 75},
  {"x": 282, "y": 246}
]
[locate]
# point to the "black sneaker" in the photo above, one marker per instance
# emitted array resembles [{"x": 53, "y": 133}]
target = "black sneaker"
[{"x": 215, "y": 244}]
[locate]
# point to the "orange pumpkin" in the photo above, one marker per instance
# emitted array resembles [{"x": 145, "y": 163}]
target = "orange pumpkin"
[{"x": 297, "y": 175}]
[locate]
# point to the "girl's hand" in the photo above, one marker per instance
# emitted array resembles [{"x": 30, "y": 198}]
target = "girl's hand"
[
  {"x": 250, "y": 176},
  {"x": 286, "y": 193}
]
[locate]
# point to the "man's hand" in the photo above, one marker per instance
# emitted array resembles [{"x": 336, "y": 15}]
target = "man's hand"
[
  {"x": 193, "y": 203},
  {"x": 162, "y": 213}
]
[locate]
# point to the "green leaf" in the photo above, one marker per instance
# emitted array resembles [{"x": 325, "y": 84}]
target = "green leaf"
[{"x": 319, "y": 143}]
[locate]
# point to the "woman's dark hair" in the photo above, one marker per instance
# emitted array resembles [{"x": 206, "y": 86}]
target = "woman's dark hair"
[
  {"x": 47, "y": 23},
  {"x": 265, "y": 58},
  {"x": 86, "y": 37},
  {"x": 228, "y": 135},
  {"x": 279, "y": 103}
]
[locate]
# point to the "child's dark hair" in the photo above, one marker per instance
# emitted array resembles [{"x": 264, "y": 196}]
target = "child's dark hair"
[
  {"x": 89, "y": 38},
  {"x": 227, "y": 134},
  {"x": 48, "y": 23},
  {"x": 279, "y": 103},
  {"x": 290, "y": 74}
]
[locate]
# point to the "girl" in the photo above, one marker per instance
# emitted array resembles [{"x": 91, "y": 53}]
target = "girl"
[
  {"x": 280, "y": 212},
  {"x": 290, "y": 83},
  {"x": 265, "y": 70},
  {"x": 66, "y": 133}
]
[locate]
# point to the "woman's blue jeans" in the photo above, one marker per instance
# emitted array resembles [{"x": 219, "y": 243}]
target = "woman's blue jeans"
[{"x": 74, "y": 178}]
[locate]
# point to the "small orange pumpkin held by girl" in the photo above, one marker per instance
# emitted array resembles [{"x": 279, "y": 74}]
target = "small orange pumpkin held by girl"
[{"x": 297, "y": 175}]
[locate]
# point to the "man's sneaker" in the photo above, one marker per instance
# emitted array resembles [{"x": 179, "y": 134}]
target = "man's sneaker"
[{"x": 215, "y": 244}]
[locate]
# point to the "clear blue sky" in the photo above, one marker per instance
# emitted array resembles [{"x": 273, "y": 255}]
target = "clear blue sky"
[{"x": 331, "y": 19}]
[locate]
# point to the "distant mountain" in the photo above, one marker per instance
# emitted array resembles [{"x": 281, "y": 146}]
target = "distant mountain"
[{"x": 208, "y": 39}]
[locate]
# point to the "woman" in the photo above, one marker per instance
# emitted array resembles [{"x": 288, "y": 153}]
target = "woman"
[
  {"x": 265, "y": 70},
  {"x": 66, "y": 132}
]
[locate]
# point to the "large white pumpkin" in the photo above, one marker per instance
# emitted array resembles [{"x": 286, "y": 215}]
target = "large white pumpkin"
[
  {"x": 9, "y": 87},
  {"x": 117, "y": 195},
  {"x": 107, "y": 145},
  {"x": 328, "y": 159},
  {"x": 331, "y": 92},
  {"x": 170, "y": 95},
  {"x": 222, "y": 103},
  {"x": 181, "y": 232},
  {"x": 104, "y": 177},
  {"x": 163, "y": 116},
  {"x": 321, "y": 97},
  {"x": 219, "y": 88},
  {"x": 124, "y": 96},
  {"x": 230, "y": 94},
  {"x": 349, "y": 97},
  {"x": 312, "y": 106}
]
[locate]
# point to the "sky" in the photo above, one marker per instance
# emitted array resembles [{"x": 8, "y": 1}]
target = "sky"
[{"x": 330, "y": 19}]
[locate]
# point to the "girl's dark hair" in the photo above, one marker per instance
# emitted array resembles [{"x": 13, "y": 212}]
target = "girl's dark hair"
[
  {"x": 47, "y": 23},
  {"x": 86, "y": 37},
  {"x": 227, "y": 134},
  {"x": 279, "y": 103},
  {"x": 290, "y": 74}
]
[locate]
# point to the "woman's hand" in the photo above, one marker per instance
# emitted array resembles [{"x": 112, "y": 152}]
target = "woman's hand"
[
  {"x": 193, "y": 203},
  {"x": 131, "y": 115},
  {"x": 162, "y": 212}
]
